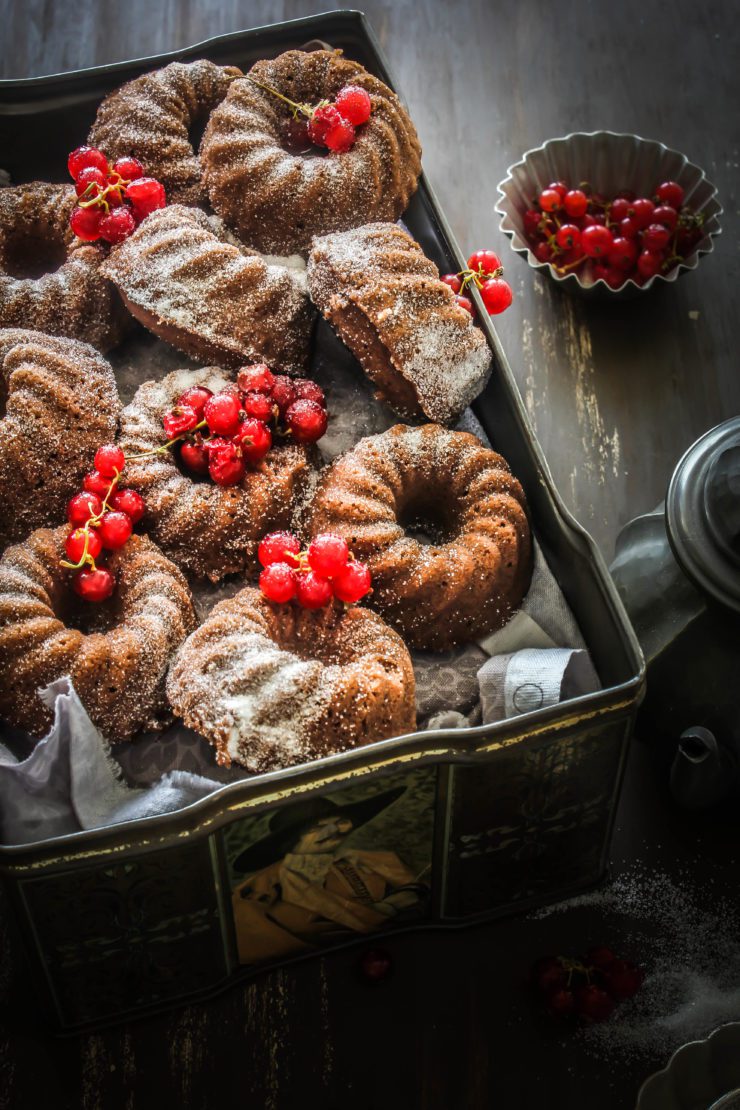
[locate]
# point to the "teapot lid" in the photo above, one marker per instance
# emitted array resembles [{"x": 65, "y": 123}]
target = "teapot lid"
[{"x": 703, "y": 513}]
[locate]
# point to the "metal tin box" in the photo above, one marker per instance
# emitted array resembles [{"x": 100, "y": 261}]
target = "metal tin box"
[{"x": 466, "y": 824}]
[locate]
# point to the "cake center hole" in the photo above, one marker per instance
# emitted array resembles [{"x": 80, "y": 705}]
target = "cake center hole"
[
  {"x": 32, "y": 254},
  {"x": 85, "y": 616},
  {"x": 426, "y": 522},
  {"x": 197, "y": 128}
]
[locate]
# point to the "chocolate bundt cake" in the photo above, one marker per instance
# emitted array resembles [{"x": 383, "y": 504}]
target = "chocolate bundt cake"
[
  {"x": 275, "y": 685},
  {"x": 205, "y": 528},
  {"x": 49, "y": 279},
  {"x": 60, "y": 404},
  {"x": 116, "y": 653},
  {"x": 441, "y": 522},
  {"x": 191, "y": 283},
  {"x": 152, "y": 117},
  {"x": 384, "y": 298},
  {"x": 276, "y": 200}
]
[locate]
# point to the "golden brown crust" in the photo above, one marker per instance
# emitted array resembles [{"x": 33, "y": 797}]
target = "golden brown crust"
[
  {"x": 119, "y": 671},
  {"x": 278, "y": 201},
  {"x": 49, "y": 279},
  {"x": 61, "y": 404},
  {"x": 429, "y": 479},
  {"x": 276, "y": 685}
]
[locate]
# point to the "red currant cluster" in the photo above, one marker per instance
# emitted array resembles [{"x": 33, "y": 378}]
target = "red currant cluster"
[
  {"x": 484, "y": 271},
  {"x": 329, "y": 124},
  {"x": 589, "y": 989},
  {"x": 237, "y": 423},
  {"x": 112, "y": 200},
  {"x": 627, "y": 237},
  {"x": 326, "y": 570},
  {"x": 102, "y": 518}
]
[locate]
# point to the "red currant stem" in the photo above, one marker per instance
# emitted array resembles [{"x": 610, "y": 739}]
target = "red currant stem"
[
  {"x": 305, "y": 109},
  {"x": 166, "y": 446},
  {"x": 84, "y": 558},
  {"x": 571, "y": 265}
]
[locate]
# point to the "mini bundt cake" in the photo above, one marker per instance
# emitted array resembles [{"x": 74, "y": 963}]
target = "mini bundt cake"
[
  {"x": 187, "y": 279},
  {"x": 61, "y": 403},
  {"x": 276, "y": 200},
  {"x": 152, "y": 117},
  {"x": 441, "y": 523},
  {"x": 116, "y": 653},
  {"x": 384, "y": 298},
  {"x": 49, "y": 279},
  {"x": 205, "y": 528},
  {"x": 275, "y": 685}
]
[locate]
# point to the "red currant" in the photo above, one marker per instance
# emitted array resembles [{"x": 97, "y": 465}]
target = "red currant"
[
  {"x": 575, "y": 202},
  {"x": 596, "y": 241},
  {"x": 278, "y": 582},
  {"x": 130, "y": 502},
  {"x": 130, "y": 169},
  {"x": 655, "y": 237},
  {"x": 307, "y": 390},
  {"x": 615, "y": 277},
  {"x": 466, "y": 303},
  {"x": 312, "y": 591},
  {"x": 146, "y": 194},
  {"x": 354, "y": 104},
  {"x": 453, "y": 281},
  {"x": 117, "y": 225},
  {"x": 622, "y": 979},
  {"x": 195, "y": 457},
  {"x": 649, "y": 264},
  {"x": 278, "y": 547},
  {"x": 600, "y": 956},
  {"x": 628, "y": 228},
  {"x": 82, "y": 506},
  {"x": 620, "y": 210},
  {"x": 85, "y": 223},
  {"x": 340, "y": 137},
  {"x": 91, "y": 181},
  {"x": 622, "y": 254},
  {"x": 83, "y": 157},
  {"x": 600, "y": 271},
  {"x": 687, "y": 238},
  {"x": 221, "y": 414},
  {"x": 226, "y": 464},
  {"x": 115, "y": 529},
  {"x": 256, "y": 379},
  {"x": 109, "y": 460},
  {"x": 548, "y": 973},
  {"x": 258, "y": 405},
  {"x": 559, "y": 187},
  {"x": 543, "y": 252},
  {"x": 666, "y": 216},
  {"x": 561, "y": 1002},
  {"x": 496, "y": 295},
  {"x": 485, "y": 262},
  {"x": 568, "y": 236},
  {"x": 670, "y": 192},
  {"x": 94, "y": 482},
  {"x": 549, "y": 200},
  {"x": 306, "y": 420},
  {"x": 532, "y": 220},
  {"x": 352, "y": 583},
  {"x": 180, "y": 419},
  {"x": 593, "y": 1003},
  {"x": 195, "y": 397},
  {"x": 642, "y": 212},
  {"x": 328, "y": 554},
  {"x": 295, "y": 135},
  {"x": 82, "y": 542},
  {"x": 283, "y": 393},
  {"x": 94, "y": 585},
  {"x": 320, "y": 123},
  {"x": 255, "y": 439}
]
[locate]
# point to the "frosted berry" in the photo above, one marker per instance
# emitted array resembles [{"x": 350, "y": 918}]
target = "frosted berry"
[
  {"x": 109, "y": 460},
  {"x": 278, "y": 547},
  {"x": 115, "y": 529},
  {"x": 258, "y": 405},
  {"x": 85, "y": 223},
  {"x": 130, "y": 169},
  {"x": 94, "y": 585},
  {"x": 671, "y": 193},
  {"x": 82, "y": 506},
  {"x": 83, "y": 157},
  {"x": 328, "y": 554},
  {"x": 194, "y": 456},
  {"x": 465, "y": 302},
  {"x": 596, "y": 241},
  {"x": 256, "y": 379},
  {"x": 453, "y": 281},
  {"x": 226, "y": 464},
  {"x": 117, "y": 225},
  {"x": 323, "y": 119},
  {"x": 655, "y": 237},
  {"x": 283, "y": 393},
  {"x": 130, "y": 502},
  {"x": 354, "y": 104},
  {"x": 352, "y": 583},
  {"x": 485, "y": 262},
  {"x": 313, "y": 591},
  {"x": 90, "y": 183},
  {"x": 549, "y": 200},
  {"x": 180, "y": 419},
  {"x": 575, "y": 203},
  {"x": 496, "y": 294},
  {"x": 82, "y": 542},
  {"x": 95, "y": 482},
  {"x": 278, "y": 582},
  {"x": 306, "y": 420},
  {"x": 307, "y": 390},
  {"x": 221, "y": 414},
  {"x": 195, "y": 397},
  {"x": 296, "y": 136},
  {"x": 255, "y": 439},
  {"x": 146, "y": 194},
  {"x": 340, "y": 137}
]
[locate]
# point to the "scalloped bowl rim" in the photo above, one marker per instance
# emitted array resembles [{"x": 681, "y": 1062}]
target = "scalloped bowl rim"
[
  {"x": 687, "y": 1050},
  {"x": 522, "y": 248}
]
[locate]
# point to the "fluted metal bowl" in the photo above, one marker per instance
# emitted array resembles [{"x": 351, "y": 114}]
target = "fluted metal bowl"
[
  {"x": 701, "y": 1075},
  {"x": 609, "y": 162}
]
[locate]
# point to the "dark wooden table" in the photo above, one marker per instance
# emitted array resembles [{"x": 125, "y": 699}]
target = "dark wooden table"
[{"x": 615, "y": 393}]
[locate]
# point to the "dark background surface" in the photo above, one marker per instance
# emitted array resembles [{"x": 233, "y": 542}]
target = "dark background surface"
[{"x": 615, "y": 393}]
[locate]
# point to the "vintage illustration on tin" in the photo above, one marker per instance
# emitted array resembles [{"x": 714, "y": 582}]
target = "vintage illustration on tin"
[{"x": 327, "y": 867}]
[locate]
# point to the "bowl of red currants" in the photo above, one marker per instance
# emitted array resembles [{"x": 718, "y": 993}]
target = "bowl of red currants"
[{"x": 608, "y": 214}]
